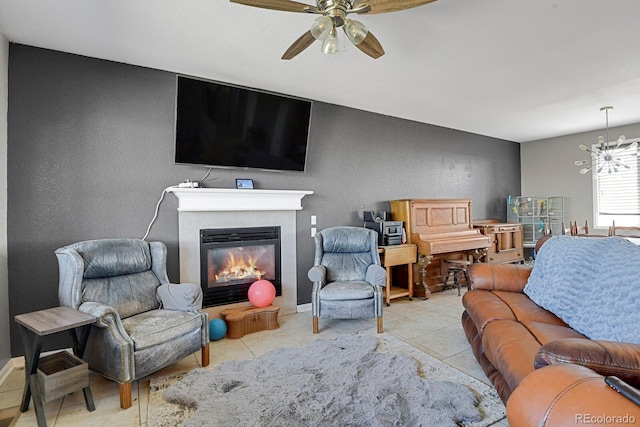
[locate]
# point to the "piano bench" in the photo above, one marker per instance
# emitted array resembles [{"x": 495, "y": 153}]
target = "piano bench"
[{"x": 456, "y": 267}]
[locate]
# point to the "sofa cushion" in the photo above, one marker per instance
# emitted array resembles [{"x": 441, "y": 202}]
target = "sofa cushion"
[
  {"x": 113, "y": 257},
  {"x": 476, "y": 346},
  {"x": 510, "y": 347},
  {"x": 568, "y": 396},
  {"x": 605, "y": 357},
  {"x": 526, "y": 310},
  {"x": 159, "y": 326},
  {"x": 346, "y": 240},
  {"x": 346, "y": 290},
  {"x": 486, "y": 306},
  {"x": 130, "y": 294},
  {"x": 347, "y": 266},
  {"x": 545, "y": 332},
  {"x": 503, "y": 277}
]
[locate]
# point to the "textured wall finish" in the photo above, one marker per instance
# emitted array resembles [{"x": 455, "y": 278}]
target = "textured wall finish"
[
  {"x": 5, "y": 320},
  {"x": 91, "y": 148}
]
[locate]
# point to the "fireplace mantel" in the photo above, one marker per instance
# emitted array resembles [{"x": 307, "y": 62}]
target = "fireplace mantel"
[{"x": 231, "y": 199}]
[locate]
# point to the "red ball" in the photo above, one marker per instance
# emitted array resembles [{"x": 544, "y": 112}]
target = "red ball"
[{"x": 262, "y": 293}]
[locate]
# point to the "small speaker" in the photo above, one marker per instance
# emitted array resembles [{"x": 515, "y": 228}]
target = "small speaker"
[{"x": 368, "y": 216}]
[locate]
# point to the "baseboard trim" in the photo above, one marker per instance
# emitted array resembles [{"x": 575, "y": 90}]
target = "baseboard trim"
[
  {"x": 304, "y": 307},
  {"x": 7, "y": 369}
]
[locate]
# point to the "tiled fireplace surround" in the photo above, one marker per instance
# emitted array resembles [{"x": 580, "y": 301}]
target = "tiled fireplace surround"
[{"x": 202, "y": 208}]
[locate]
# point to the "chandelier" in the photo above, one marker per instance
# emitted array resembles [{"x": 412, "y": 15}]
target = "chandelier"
[{"x": 605, "y": 155}]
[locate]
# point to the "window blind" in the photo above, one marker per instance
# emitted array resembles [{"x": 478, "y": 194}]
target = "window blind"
[{"x": 617, "y": 192}]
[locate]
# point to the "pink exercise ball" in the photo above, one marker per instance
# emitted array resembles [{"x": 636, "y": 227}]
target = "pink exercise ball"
[{"x": 262, "y": 293}]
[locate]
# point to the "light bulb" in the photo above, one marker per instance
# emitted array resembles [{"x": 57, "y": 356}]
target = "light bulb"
[
  {"x": 355, "y": 31},
  {"x": 331, "y": 44},
  {"x": 584, "y": 171},
  {"x": 583, "y": 147},
  {"x": 581, "y": 162},
  {"x": 321, "y": 27}
]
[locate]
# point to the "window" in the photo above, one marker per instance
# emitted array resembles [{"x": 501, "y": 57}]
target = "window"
[{"x": 616, "y": 195}]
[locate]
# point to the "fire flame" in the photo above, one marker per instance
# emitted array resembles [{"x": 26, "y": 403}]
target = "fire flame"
[{"x": 239, "y": 269}]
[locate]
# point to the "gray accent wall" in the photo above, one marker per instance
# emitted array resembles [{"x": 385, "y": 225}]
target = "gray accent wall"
[
  {"x": 5, "y": 354},
  {"x": 91, "y": 148}
]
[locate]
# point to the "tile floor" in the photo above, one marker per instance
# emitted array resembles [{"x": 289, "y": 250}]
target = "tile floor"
[{"x": 432, "y": 326}]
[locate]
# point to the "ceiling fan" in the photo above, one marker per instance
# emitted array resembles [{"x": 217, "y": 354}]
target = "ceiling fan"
[{"x": 334, "y": 15}]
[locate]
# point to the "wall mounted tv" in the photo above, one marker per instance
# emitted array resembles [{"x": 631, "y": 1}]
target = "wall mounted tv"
[{"x": 221, "y": 125}]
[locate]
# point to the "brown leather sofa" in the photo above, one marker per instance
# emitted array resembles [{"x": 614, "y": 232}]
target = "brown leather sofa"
[{"x": 544, "y": 371}]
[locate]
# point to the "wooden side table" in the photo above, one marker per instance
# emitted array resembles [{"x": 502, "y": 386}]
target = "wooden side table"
[
  {"x": 390, "y": 256},
  {"x": 246, "y": 320},
  {"x": 33, "y": 327}
]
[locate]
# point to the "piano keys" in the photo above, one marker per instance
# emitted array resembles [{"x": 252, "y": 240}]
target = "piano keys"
[{"x": 441, "y": 228}]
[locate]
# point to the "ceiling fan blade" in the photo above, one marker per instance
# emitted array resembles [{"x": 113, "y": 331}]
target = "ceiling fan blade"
[
  {"x": 284, "y": 5},
  {"x": 371, "y": 46},
  {"x": 384, "y": 6},
  {"x": 303, "y": 42}
]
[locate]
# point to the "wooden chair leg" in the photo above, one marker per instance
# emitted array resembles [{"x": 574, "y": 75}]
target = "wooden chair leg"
[
  {"x": 205, "y": 355},
  {"x": 380, "y": 330},
  {"x": 125, "y": 395},
  {"x": 467, "y": 279},
  {"x": 315, "y": 325}
]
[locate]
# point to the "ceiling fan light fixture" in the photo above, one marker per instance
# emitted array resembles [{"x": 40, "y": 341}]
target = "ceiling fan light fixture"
[
  {"x": 321, "y": 27},
  {"x": 331, "y": 45},
  {"x": 356, "y": 31},
  {"x": 334, "y": 14}
]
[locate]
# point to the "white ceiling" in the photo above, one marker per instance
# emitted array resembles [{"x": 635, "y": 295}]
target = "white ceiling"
[{"x": 520, "y": 70}]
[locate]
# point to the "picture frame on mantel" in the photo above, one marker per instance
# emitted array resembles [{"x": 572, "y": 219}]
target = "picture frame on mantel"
[{"x": 244, "y": 183}]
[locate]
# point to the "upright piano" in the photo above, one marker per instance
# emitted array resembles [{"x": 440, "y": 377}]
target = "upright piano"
[{"x": 442, "y": 229}]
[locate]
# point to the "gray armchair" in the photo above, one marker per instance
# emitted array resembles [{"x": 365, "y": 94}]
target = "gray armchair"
[
  {"x": 347, "y": 276},
  {"x": 119, "y": 282}
]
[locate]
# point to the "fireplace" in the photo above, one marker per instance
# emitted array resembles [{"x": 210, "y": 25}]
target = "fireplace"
[
  {"x": 231, "y": 259},
  {"x": 202, "y": 208}
]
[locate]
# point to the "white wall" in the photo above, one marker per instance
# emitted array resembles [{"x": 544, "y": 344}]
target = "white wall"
[
  {"x": 4, "y": 282},
  {"x": 548, "y": 169}
]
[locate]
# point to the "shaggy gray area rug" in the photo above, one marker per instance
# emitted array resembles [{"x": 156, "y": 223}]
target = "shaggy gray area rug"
[{"x": 340, "y": 382}]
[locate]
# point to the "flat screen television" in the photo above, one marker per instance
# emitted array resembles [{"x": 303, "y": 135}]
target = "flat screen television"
[{"x": 221, "y": 125}]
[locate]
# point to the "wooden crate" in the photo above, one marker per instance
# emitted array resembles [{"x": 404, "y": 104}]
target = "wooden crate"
[
  {"x": 246, "y": 320},
  {"x": 61, "y": 373}
]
